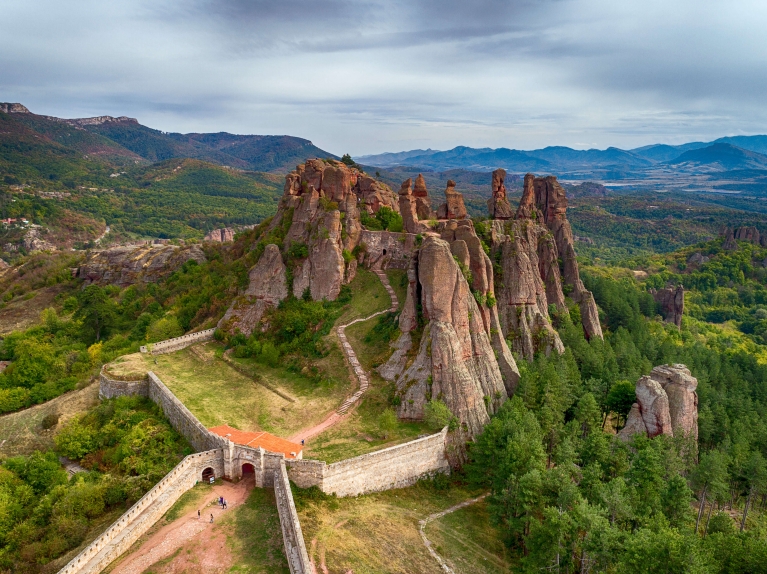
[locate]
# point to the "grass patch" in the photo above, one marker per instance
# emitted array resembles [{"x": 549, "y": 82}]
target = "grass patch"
[
  {"x": 376, "y": 532},
  {"x": 129, "y": 367},
  {"x": 187, "y": 501},
  {"x": 368, "y": 296},
  {"x": 218, "y": 394},
  {"x": 398, "y": 282},
  {"x": 361, "y": 432},
  {"x": 376, "y": 351},
  {"x": 468, "y": 541},
  {"x": 254, "y": 535}
]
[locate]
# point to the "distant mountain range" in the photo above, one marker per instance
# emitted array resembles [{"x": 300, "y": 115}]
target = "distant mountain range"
[
  {"x": 721, "y": 155},
  {"x": 122, "y": 140}
]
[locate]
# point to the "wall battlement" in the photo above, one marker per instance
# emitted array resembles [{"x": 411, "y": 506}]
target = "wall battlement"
[{"x": 178, "y": 343}]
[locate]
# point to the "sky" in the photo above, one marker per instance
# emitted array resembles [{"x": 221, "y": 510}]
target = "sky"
[{"x": 367, "y": 76}]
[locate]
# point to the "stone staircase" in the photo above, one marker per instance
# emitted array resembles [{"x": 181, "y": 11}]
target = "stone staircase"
[{"x": 359, "y": 372}]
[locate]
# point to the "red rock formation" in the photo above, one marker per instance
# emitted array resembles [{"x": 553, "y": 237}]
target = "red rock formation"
[
  {"x": 671, "y": 302},
  {"x": 666, "y": 404},
  {"x": 266, "y": 288},
  {"x": 423, "y": 203},
  {"x": 498, "y": 206},
  {"x": 220, "y": 235},
  {"x": 453, "y": 208},
  {"x": 407, "y": 207},
  {"x": 375, "y": 194},
  {"x": 456, "y": 361}
]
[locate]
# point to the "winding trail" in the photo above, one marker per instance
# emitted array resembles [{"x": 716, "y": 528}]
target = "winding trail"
[
  {"x": 359, "y": 372},
  {"x": 422, "y": 524}
]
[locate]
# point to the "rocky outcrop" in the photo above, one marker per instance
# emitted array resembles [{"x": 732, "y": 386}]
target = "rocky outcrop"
[
  {"x": 455, "y": 362},
  {"x": 453, "y": 208},
  {"x": 671, "y": 302},
  {"x": 33, "y": 240},
  {"x": 266, "y": 288},
  {"x": 422, "y": 200},
  {"x": 133, "y": 264},
  {"x": 374, "y": 194},
  {"x": 698, "y": 258},
  {"x": 9, "y": 108},
  {"x": 742, "y": 233},
  {"x": 220, "y": 235},
  {"x": 498, "y": 206},
  {"x": 407, "y": 207},
  {"x": 667, "y": 404}
]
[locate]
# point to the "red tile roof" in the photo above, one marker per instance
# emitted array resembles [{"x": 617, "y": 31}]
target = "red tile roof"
[{"x": 265, "y": 440}]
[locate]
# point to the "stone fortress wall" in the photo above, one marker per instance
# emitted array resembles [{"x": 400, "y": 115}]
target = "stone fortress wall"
[
  {"x": 292, "y": 536},
  {"x": 394, "y": 467},
  {"x": 141, "y": 516},
  {"x": 178, "y": 343}
]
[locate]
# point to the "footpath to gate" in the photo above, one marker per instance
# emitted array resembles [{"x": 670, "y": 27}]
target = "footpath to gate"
[{"x": 362, "y": 377}]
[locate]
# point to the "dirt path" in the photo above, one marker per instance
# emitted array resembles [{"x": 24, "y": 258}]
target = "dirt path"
[
  {"x": 359, "y": 372},
  {"x": 422, "y": 524},
  {"x": 210, "y": 552}
]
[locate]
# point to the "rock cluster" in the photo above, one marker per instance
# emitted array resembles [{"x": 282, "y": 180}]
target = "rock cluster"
[
  {"x": 667, "y": 404},
  {"x": 743, "y": 233},
  {"x": 266, "y": 288},
  {"x": 220, "y": 235},
  {"x": 422, "y": 201},
  {"x": 132, "y": 264},
  {"x": 671, "y": 302},
  {"x": 536, "y": 256}
]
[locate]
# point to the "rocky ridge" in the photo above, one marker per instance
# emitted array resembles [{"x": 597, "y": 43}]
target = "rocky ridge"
[
  {"x": 145, "y": 263},
  {"x": 458, "y": 312}
]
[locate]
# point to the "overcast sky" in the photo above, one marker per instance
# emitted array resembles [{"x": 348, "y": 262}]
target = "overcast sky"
[{"x": 373, "y": 76}]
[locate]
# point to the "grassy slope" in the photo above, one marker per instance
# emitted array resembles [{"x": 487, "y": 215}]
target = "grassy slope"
[
  {"x": 217, "y": 394},
  {"x": 468, "y": 541},
  {"x": 379, "y": 532},
  {"x": 21, "y": 432}
]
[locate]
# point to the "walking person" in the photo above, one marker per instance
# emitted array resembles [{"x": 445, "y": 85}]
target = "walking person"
[
  {"x": 198, "y": 514},
  {"x": 211, "y": 518}
]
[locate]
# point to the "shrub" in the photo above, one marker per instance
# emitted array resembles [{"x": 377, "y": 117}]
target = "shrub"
[
  {"x": 49, "y": 421},
  {"x": 438, "y": 416},
  {"x": 387, "y": 422}
]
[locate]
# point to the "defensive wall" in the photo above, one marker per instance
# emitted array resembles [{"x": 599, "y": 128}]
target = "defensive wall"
[
  {"x": 141, "y": 516},
  {"x": 394, "y": 467},
  {"x": 388, "y": 249},
  {"x": 292, "y": 536},
  {"x": 178, "y": 343}
]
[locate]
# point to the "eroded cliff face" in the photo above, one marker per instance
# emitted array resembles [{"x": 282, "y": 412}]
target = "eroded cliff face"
[
  {"x": 536, "y": 258},
  {"x": 131, "y": 264},
  {"x": 267, "y": 286},
  {"x": 667, "y": 404},
  {"x": 455, "y": 361},
  {"x": 671, "y": 302}
]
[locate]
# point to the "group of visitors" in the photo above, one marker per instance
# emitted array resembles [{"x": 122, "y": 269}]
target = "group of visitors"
[{"x": 221, "y": 502}]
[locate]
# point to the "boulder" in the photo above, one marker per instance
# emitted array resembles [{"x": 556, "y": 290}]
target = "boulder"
[
  {"x": 131, "y": 264},
  {"x": 374, "y": 194},
  {"x": 453, "y": 208},
  {"x": 697, "y": 258},
  {"x": 666, "y": 404},
  {"x": 266, "y": 288},
  {"x": 220, "y": 235}
]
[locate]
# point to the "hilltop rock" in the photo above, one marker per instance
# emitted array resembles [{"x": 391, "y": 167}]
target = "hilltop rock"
[
  {"x": 9, "y": 108},
  {"x": 423, "y": 202},
  {"x": 498, "y": 206},
  {"x": 374, "y": 194},
  {"x": 266, "y": 288},
  {"x": 133, "y": 264},
  {"x": 220, "y": 235},
  {"x": 671, "y": 302},
  {"x": 453, "y": 208},
  {"x": 666, "y": 404}
]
